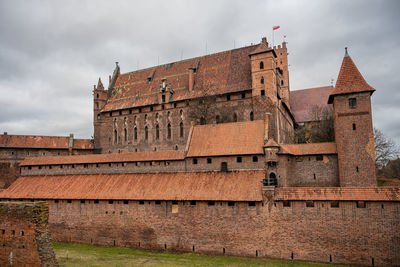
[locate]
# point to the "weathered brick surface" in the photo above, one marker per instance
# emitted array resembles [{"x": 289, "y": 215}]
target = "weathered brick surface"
[
  {"x": 345, "y": 235},
  {"x": 24, "y": 235}
]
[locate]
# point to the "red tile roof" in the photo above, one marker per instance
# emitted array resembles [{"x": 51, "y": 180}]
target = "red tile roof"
[
  {"x": 349, "y": 80},
  {"x": 105, "y": 158},
  {"x": 308, "y": 149},
  {"x": 45, "y": 142},
  {"x": 238, "y": 138},
  {"x": 230, "y": 70},
  {"x": 303, "y": 101},
  {"x": 337, "y": 193},
  {"x": 234, "y": 186}
]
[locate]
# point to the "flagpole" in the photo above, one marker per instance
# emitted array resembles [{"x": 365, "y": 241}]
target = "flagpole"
[{"x": 273, "y": 37}]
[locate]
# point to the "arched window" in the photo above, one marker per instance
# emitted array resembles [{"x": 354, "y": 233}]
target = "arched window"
[
  {"x": 281, "y": 82},
  {"x": 272, "y": 179},
  {"x": 146, "y": 133},
  {"x": 181, "y": 129},
  {"x": 235, "y": 119},
  {"x": 261, "y": 65},
  {"x": 125, "y": 135},
  {"x": 252, "y": 116},
  {"x": 115, "y": 136},
  {"x": 157, "y": 132},
  {"x": 169, "y": 133},
  {"x": 262, "y": 80},
  {"x": 135, "y": 132},
  {"x": 97, "y": 96}
]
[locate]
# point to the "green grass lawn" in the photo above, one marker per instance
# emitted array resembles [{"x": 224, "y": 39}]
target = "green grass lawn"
[{"x": 87, "y": 255}]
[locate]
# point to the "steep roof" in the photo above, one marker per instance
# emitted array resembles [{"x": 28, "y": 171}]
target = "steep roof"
[
  {"x": 349, "y": 80},
  {"x": 308, "y": 149},
  {"x": 303, "y": 101},
  {"x": 239, "y": 138},
  {"x": 218, "y": 73},
  {"x": 337, "y": 193},
  {"x": 45, "y": 142},
  {"x": 235, "y": 186},
  {"x": 105, "y": 158}
]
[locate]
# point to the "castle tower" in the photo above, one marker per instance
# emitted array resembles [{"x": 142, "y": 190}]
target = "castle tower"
[
  {"x": 354, "y": 135},
  {"x": 264, "y": 71},
  {"x": 282, "y": 64},
  {"x": 99, "y": 100}
]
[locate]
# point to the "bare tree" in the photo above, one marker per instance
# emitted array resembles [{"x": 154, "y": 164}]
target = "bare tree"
[
  {"x": 321, "y": 129},
  {"x": 385, "y": 149}
]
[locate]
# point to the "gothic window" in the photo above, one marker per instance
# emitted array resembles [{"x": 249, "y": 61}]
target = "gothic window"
[
  {"x": 135, "y": 132},
  {"x": 115, "y": 136},
  {"x": 252, "y": 116},
  {"x": 281, "y": 82},
  {"x": 181, "y": 113},
  {"x": 272, "y": 179},
  {"x": 169, "y": 131},
  {"x": 262, "y": 80},
  {"x": 352, "y": 103},
  {"x": 235, "y": 119},
  {"x": 146, "y": 133},
  {"x": 157, "y": 132},
  {"x": 261, "y": 65},
  {"x": 97, "y": 96},
  {"x": 169, "y": 116},
  {"x": 125, "y": 135},
  {"x": 181, "y": 129}
]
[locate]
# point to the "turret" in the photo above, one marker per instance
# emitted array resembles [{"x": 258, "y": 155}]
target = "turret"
[
  {"x": 282, "y": 64},
  {"x": 99, "y": 100},
  {"x": 354, "y": 135}
]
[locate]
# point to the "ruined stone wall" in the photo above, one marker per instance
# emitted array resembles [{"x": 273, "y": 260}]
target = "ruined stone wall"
[
  {"x": 25, "y": 239},
  {"x": 292, "y": 230}
]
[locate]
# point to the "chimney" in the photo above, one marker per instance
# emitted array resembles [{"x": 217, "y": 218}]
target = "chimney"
[
  {"x": 266, "y": 129},
  {"x": 70, "y": 143},
  {"x": 191, "y": 79}
]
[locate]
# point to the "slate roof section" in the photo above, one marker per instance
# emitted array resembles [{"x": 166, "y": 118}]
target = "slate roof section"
[
  {"x": 221, "y": 186},
  {"x": 303, "y": 101},
  {"x": 338, "y": 193},
  {"x": 225, "y": 139},
  {"x": 308, "y": 149},
  {"x": 44, "y": 142},
  {"x": 349, "y": 80},
  {"x": 105, "y": 158},
  {"x": 218, "y": 73}
]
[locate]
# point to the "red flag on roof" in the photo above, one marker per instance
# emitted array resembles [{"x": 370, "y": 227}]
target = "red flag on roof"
[{"x": 275, "y": 28}]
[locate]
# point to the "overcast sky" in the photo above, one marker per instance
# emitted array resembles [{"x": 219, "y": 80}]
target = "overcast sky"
[{"x": 53, "y": 52}]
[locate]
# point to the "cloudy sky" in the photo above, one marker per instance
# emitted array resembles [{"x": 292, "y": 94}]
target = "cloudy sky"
[{"x": 52, "y": 52}]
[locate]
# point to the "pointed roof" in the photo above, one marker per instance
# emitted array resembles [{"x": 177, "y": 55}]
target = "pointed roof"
[
  {"x": 100, "y": 85},
  {"x": 349, "y": 80}
]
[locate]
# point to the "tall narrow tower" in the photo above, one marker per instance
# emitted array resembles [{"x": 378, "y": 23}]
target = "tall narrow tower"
[
  {"x": 99, "y": 100},
  {"x": 354, "y": 135}
]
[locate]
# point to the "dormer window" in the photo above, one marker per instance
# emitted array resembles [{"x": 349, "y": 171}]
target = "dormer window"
[
  {"x": 261, "y": 65},
  {"x": 352, "y": 103}
]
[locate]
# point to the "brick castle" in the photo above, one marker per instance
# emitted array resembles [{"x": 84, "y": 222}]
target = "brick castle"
[{"x": 199, "y": 155}]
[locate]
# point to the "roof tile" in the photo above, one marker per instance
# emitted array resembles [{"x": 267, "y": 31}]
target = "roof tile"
[{"x": 49, "y": 142}]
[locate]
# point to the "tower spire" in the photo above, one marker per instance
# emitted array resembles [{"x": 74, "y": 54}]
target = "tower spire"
[{"x": 346, "y": 54}]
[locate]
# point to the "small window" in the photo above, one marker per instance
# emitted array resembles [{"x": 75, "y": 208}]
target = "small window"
[
  {"x": 309, "y": 204},
  {"x": 281, "y": 82},
  {"x": 163, "y": 98},
  {"x": 181, "y": 129},
  {"x": 110, "y": 114},
  {"x": 158, "y": 202},
  {"x": 141, "y": 202},
  {"x": 98, "y": 116},
  {"x": 262, "y": 80},
  {"x": 120, "y": 112},
  {"x": 209, "y": 160},
  {"x": 96, "y": 201},
  {"x": 252, "y": 116},
  {"x": 252, "y": 203},
  {"x": 169, "y": 132},
  {"x": 82, "y": 201},
  {"x": 192, "y": 203},
  {"x": 335, "y": 204},
  {"x": 262, "y": 92},
  {"x": 319, "y": 157},
  {"x": 151, "y": 108},
  {"x": 286, "y": 203},
  {"x": 69, "y": 201},
  {"x": 354, "y": 126},
  {"x": 352, "y": 103},
  {"x": 211, "y": 203},
  {"x": 239, "y": 159},
  {"x": 235, "y": 118},
  {"x": 111, "y": 202},
  {"x": 228, "y": 97},
  {"x": 217, "y": 119},
  {"x": 356, "y": 168},
  {"x": 255, "y": 159},
  {"x": 261, "y": 65},
  {"x": 194, "y": 161},
  {"x": 126, "y": 202},
  {"x": 146, "y": 133},
  {"x": 3, "y": 231},
  {"x": 174, "y": 202},
  {"x": 224, "y": 166},
  {"x": 85, "y": 165},
  {"x": 157, "y": 132},
  {"x": 361, "y": 204},
  {"x": 231, "y": 203},
  {"x": 243, "y": 95},
  {"x": 56, "y": 201}
]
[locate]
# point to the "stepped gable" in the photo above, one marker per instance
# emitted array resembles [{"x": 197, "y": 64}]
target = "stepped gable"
[
  {"x": 349, "y": 80},
  {"x": 48, "y": 142},
  {"x": 238, "y": 138},
  {"x": 308, "y": 149},
  {"x": 303, "y": 101},
  {"x": 337, "y": 193},
  {"x": 219, "y": 73},
  {"x": 105, "y": 158},
  {"x": 218, "y": 186}
]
